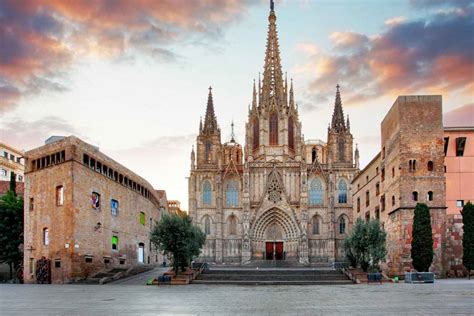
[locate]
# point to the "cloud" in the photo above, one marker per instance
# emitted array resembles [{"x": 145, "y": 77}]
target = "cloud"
[
  {"x": 41, "y": 39},
  {"x": 31, "y": 134},
  {"x": 433, "y": 55},
  {"x": 460, "y": 117}
]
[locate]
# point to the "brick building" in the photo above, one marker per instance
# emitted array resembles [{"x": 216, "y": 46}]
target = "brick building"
[
  {"x": 408, "y": 170},
  {"x": 85, "y": 212}
]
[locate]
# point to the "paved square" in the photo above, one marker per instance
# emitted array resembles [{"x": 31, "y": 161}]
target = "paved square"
[{"x": 445, "y": 297}]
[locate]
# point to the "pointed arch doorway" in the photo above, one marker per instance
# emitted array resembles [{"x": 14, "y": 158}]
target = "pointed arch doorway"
[{"x": 274, "y": 243}]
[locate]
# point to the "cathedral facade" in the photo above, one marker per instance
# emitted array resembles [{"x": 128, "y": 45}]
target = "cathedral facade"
[{"x": 277, "y": 197}]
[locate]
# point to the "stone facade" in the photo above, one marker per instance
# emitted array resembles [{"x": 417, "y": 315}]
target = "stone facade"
[
  {"x": 85, "y": 212},
  {"x": 408, "y": 170},
  {"x": 279, "y": 196},
  {"x": 11, "y": 160}
]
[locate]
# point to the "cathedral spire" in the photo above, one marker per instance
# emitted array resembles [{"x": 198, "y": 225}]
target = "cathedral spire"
[
  {"x": 254, "y": 99},
  {"x": 210, "y": 122},
  {"x": 232, "y": 134},
  {"x": 338, "y": 116},
  {"x": 292, "y": 97},
  {"x": 273, "y": 86}
]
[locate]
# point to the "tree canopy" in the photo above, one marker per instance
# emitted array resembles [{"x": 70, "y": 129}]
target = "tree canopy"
[
  {"x": 468, "y": 237},
  {"x": 422, "y": 241},
  {"x": 178, "y": 238}
]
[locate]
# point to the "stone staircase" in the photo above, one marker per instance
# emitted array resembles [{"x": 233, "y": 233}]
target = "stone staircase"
[{"x": 273, "y": 276}]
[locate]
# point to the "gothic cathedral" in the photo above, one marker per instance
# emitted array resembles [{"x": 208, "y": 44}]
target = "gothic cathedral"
[{"x": 281, "y": 197}]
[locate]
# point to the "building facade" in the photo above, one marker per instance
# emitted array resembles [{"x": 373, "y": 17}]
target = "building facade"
[
  {"x": 11, "y": 160},
  {"x": 277, "y": 197},
  {"x": 459, "y": 171},
  {"x": 408, "y": 170},
  {"x": 84, "y": 213}
]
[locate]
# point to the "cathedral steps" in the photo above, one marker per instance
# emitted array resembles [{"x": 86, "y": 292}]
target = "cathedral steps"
[{"x": 279, "y": 276}]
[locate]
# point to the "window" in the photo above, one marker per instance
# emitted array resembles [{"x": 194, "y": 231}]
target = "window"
[
  {"x": 314, "y": 155},
  {"x": 315, "y": 225},
  {"x": 114, "y": 207},
  {"x": 341, "y": 149},
  {"x": 316, "y": 192},
  {"x": 4, "y": 172},
  {"x": 377, "y": 170},
  {"x": 85, "y": 159},
  {"x": 382, "y": 175},
  {"x": 32, "y": 265},
  {"x": 231, "y": 194},
  {"x": 414, "y": 196},
  {"x": 45, "y": 236},
  {"x": 367, "y": 216},
  {"x": 393, "y": 172},
  {"x": 367, "y": 179},
  {"x": 367, "y": 198},
  {"x": 382, "y": 202},
  {"x": 411, "y": 165},
  {"x": 358, "y": 204},
  {"x": 206, "y": 193},
  {"x": 88, "y": 259},
  {"x": 291, "y": 134},
  {"x": 393, "y": 200},
  {"x": 383, "y": 152},
  {"x": 59, "y": 195},
  {"x": 459, "y": 203},
  {"x": 377, "y": 213},
  {"x": 273, "y": 129},
  {"x": 208, "y": 151},
  {"x": 5, "y": 154},
  {"x": 429, "y": 196},
  {"x": 446, "y": 143},
  {"x": 460, "y": 144},
  {"x": 342, "y": 225},
  {"x": 32, "y": 204},
  {"x": 12, "y": 157},
  {"x": 142, "y": 218},
  {"x": 256, "y": 134},
  {"x": 342, "y": 191},
  {"x": 57, "y": 263},
  {"x": 207, "y": 225},
  {"x": 95, "y": 199},
  {"x": 20, "y": 178},
  {"x": 115, "y": 243},
  {"x": 430, "y": 165},
  {"x": 232, "y": 225},
  {"x": 377, "y": 189}
]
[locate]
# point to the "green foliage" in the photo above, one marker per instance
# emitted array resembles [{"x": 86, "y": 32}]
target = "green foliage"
[
  {"x": 422, "y": 242},
  {"x": 11, "y": 228},
  {"x": 468, "y": 236},
  {"x": 178, "y": 238},
  {"x": 366, "y": 245}
]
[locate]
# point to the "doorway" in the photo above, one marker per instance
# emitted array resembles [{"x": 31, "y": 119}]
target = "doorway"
[
  {"x": 274, "y": 250},
  {"x": 141, "y": 253}
]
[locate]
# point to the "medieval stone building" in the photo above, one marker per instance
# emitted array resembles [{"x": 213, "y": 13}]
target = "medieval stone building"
[{"x": 279, "y": 196}]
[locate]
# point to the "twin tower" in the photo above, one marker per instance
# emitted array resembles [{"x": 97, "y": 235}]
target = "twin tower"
[{"x": 281, "y": 197}]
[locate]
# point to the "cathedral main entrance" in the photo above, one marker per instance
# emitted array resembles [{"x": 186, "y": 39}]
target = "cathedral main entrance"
[{"x": 274, "y": 250}]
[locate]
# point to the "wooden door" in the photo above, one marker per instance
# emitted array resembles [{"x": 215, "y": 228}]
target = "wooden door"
[
  {"x": 279, "y": 250},
  {"x": 269, "y": 250}
]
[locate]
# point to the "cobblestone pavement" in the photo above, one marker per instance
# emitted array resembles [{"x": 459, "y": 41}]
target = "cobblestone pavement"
[{"x": 442, "y": 298}]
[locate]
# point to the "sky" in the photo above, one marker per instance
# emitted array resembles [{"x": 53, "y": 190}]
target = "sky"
[{"x": 132, "y": 77}]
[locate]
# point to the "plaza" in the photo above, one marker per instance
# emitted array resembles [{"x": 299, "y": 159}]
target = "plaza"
[{"x": 445, "y": 297}]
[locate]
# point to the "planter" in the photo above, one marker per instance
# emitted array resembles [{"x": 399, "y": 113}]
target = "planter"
[
  {"x": 374, "y": 277},
  {"x": 419, "y": 277}
]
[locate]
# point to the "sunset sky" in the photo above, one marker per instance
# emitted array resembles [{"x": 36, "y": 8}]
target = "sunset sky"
[{"x": 131, "y": 76}]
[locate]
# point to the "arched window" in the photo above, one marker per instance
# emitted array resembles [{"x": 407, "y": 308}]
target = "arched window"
[
  {"x": 207, "y": 225},
  {"x": 314, "y": 154},
  {"x": 291, "y": 134},
  {"x": 315, "y": 225},
  {"x": 429, "y": 196},
  {"x": 256, "y": 133},
  {"x": 342, "y": 187},
  {"x": 414, "y": 196},
  {"x": 342, "y": 225},
  {"x": 45, "y": 236},
  {"x": 393, "y": 200},
  {"x": 430, "y": 165},
  {"x": 232, "y": 225},
  {"x": 208, "y": 151},
  {"x": 273, "y": 129},
  {"x": 316, "y": 192},
  {"x": 232, "y": 195},
  {"x": 341, "y": 145},
  {"x": 206, "y": 193}
]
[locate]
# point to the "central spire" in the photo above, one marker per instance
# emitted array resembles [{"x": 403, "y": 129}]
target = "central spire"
[
  {"x": 273, "y": 89},
  {"x": 338, "y": 115},
  {"x": 210, "y": 122}
]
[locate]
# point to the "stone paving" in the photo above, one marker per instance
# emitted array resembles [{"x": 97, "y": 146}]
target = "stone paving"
[{"x": 445, "y": 297}]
